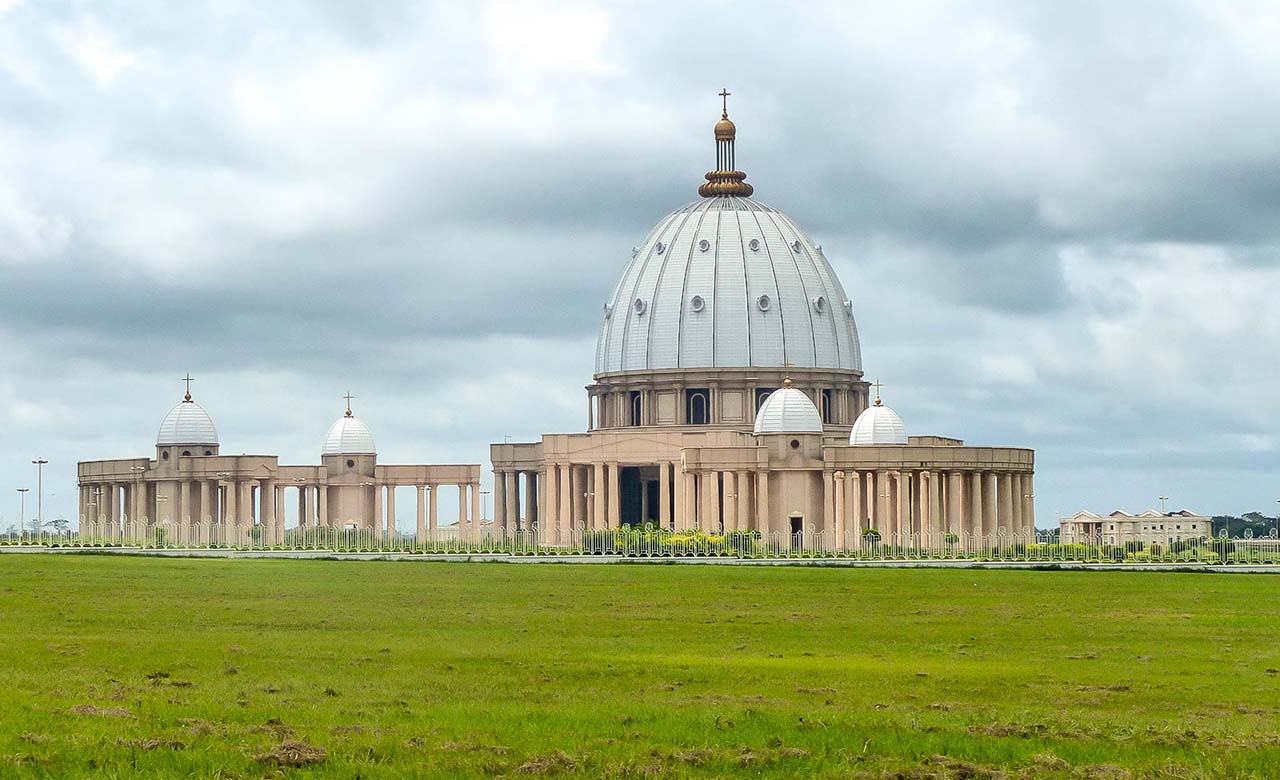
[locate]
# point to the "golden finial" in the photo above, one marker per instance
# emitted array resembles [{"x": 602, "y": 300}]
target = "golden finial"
[
  {"x": 349, "y": 396},
  {"x": 186, "y": 398},
  {"x": 786, "y": 366},
  {"x": 725, "y": 181},
  {"x": 877, "y": 386}
]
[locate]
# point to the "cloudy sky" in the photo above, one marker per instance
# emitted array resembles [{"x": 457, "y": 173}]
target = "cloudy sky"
[{"x": 1058, "y": 222}]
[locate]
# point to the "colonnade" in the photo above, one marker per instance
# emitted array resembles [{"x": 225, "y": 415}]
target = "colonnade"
[
  {"x": 197, "y": 509},
  {"x": 564, "y": 496},
  {"x": 923, "y": 506},
  {"x": 916, "y": 506}
]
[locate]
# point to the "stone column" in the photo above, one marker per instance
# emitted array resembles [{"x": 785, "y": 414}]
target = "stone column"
[
  {"x": 989, "y": 504},
  {"x": 974, "y": 523},
  {"x": 664, "y": 495},
  {"x": 421, "y": 517},
  {"x": 955, "y": 502},
  {"x": 1029, "y": 508},
  {"x": 231, "y": 509},
  {"x": 577, "y": 496},
  {"x": 1015, "y": 506},
  {"x": 937, "y": 525},
  {"x": 711, "y": 486},
  {"x": 565, "y": 475},
  {"x": 512, "y": 480},
  {"x": 267, "y": 498},
  {"x": 881, "y": 518},
  {"x": 531, "y": 519},
  {"x": 678, "y": 485},
  {"x": 614, "y": 520},
  {"x": 828, "y": 501},
  {"x": 1005, "y": 502},
  {"x": 599, "y": 511},
  {"x": 730, "y": 501},
  {"x": 903, "y": 522},
  {"x": 853, "y": 504},
  {"x": 463, "y": 519},
  {"x": 391, "y": 512},
  {"x": 433, "y": 507},
  {"x": 303, "y": 520},
  {"x": 321, "y": 516},
  {"x": 689, "y": 518},
  {"x": 499, "y": 504},
  {"x": 742, "y": 486},
  {"x": 835, "y": 533},
  {"x": 764, "y": 519},
  {"x": 474, "y": 529},
  {"x": 549, "y": 479}
]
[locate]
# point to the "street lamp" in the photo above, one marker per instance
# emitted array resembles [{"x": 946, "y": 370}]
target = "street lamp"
[
  {"x": 484, "y": 504},
  {"x": 39, "y": 464},
  {"x": 22, "y": 508}
]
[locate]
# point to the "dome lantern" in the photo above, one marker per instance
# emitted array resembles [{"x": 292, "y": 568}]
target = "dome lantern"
[{"x": 725, "y": 181}]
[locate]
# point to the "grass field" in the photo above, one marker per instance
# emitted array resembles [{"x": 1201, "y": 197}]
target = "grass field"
[{"x": 129, "y": 667}]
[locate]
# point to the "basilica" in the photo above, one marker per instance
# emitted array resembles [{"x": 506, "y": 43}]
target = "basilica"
[{"x": 728, "y": 395}]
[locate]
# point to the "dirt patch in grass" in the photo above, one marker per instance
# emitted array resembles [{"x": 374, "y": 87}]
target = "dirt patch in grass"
[
  {"x": 105, "y": 712},
  {"x": 293, "y": 754},
  {"x": 545, "y": 765},
  {"x": 151, "y": 744}
]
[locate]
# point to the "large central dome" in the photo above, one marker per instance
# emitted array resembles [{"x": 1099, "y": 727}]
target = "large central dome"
[{"x": 727, "y": 282}]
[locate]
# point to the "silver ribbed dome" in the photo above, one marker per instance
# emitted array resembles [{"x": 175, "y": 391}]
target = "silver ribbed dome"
[
  {"x": 725, "y": 282},
  {"x": 788, "y": 410},
  {"x": 349, "y": 436},
  {"x": 878, "y": 424},
  {"x": 187, "y": 423}
]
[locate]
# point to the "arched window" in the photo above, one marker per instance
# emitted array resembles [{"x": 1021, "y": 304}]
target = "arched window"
[
  {"x": 699, "y": 407},
  {"x": 828, "y": 406},
  {"x": 186, "y": 453},
  {"x": 636, "y": 408}
]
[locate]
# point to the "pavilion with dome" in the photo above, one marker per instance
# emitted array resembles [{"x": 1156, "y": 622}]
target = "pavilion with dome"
[
  {"x": 197, "y": 494},
  {"x": 728, "y": 395}
]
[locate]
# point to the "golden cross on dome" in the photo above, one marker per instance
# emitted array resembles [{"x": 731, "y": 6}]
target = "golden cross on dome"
[
  {"x": 348, "y": 396},
  {"x": 724, "y": 101},
  {"x": 188, "y": 379},
  {"x": 877, "y": 385}
]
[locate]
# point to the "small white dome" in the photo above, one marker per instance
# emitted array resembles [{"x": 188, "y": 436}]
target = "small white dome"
[
  {"x": 878, "y": 425},
  {"x": 349, "y": 436},
  {"x": 187, "y": 423},
  {"x": 788, "y": 410}
]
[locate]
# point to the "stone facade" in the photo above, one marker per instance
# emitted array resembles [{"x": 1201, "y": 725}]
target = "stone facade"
[{"x": 1118, "y": 528}]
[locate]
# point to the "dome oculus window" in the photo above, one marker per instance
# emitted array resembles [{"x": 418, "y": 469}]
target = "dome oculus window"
[
  {"x": 795, "y": 245},
  {"x": 754, "y": 244},
  {"x": 704, "y": 245},
  {"x": 795, "y": 444},
  {"x": 351, "y": 463},
  {"x": 661, "y": 247},
  {"x": 638, "y": 306},
  {"x": 696, "y": 303},
  {"x": 608, "y": 310},
  {"x": 764, "y": 303},
  {"x": 819, "y": 304}
]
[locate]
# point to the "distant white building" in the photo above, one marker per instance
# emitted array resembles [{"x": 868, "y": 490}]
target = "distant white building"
[{"x": 1150, "y": 527}]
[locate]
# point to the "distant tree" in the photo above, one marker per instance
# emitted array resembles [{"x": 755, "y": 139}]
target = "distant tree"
[{"x": 60, "y": 525}]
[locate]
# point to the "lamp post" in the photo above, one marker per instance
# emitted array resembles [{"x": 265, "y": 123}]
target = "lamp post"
[
  {"x": 22, "y": 509},
  {"x": 484, "y": 504},
  {"x": 39, "y": 464}
]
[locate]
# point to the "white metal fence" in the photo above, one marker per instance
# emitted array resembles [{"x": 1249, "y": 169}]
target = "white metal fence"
[{"x": 653, "y": 543}]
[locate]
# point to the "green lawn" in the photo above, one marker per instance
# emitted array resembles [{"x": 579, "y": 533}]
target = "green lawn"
[{"x": 131, "y": 667}]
